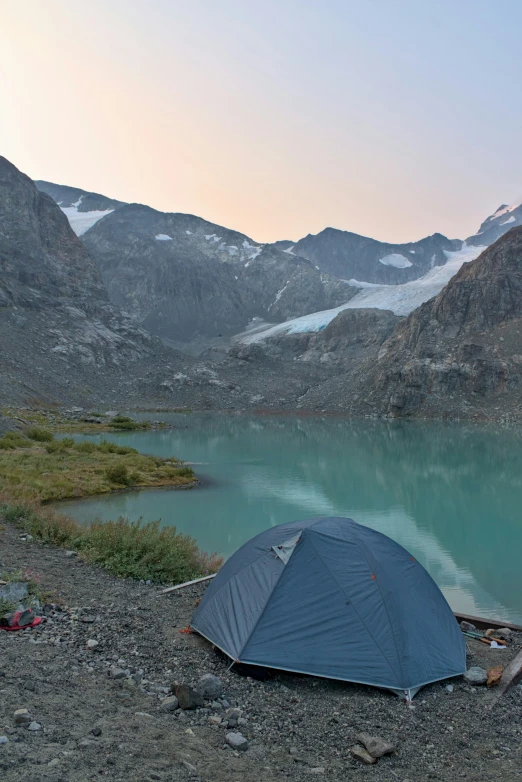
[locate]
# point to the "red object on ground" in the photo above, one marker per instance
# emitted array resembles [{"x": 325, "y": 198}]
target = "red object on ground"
[{"x": 36, "y": 621}]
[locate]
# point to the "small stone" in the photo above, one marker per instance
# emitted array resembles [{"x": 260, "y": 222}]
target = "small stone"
[
  {"x": 169, "y": 704},
  {"x": 236, "y": 741},
  {"x": 214, "y": 719},
  {"x": 116, "y": 673},
  {"x": 4, "y": 740},
  {"x": 233, "y": 714},
  {"x": 54, "y": 762},
  {"x": 505, "y": 634},
  {"x": 449, "y": 688},
  {"x": 476, "y": 675},
  {"x": 92, "y": 643},
  {"x": 359, "y": 753},
  {"x": 293, "y": 751},
  {"x": 210, "y": 686},
  {"x": 70, "y": 554},
  {"x": 143, "y": 714},
  {"x": 96, "y": 731},
  {"x": 22, "y": 717},
  {"x": 34, "y": 726},
  {"x": 376, "y": 746},
  {"x": 190, "y": 768},
  {"x": 467, "y": 627},
  {"x": 317, "y": 770},
  {"x": 188, "y": 697},
  {"x": 216, "y": 706}
]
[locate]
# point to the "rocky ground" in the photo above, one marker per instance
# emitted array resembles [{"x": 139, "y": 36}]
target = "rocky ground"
[{"x": 109, "y": 710}]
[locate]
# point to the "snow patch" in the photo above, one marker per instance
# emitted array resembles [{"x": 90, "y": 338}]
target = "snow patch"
[
  {"x": 81, "y": 221},
  {"x": 255, "y": 251},
  {"x": 412, "y": 252},
  {"x": 400, "y": 299},
  {"x": 280, "y": 293},
  {"x": 212, "y": 237},
  {"x": 163, "y": 238},
  {"x": 189, "y": 233},
  {"x": 232, "y": 249},
  {"x": 290, "y": 250},
  {"x": 511, "y": 219},
  {"x": 397, "y": 260}
]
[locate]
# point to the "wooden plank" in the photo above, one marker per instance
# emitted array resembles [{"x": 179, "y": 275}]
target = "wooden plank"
[
  {"x": 187, "y": 584},
  {"x": 485, "y": 624}
]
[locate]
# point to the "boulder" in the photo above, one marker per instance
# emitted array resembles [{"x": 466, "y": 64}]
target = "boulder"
[
  {"x": 476, "y": 676},
  {"x": 188, "y": 697},
  {"x": 236, "y": 741},
  {"x": 210, "y": 686}
]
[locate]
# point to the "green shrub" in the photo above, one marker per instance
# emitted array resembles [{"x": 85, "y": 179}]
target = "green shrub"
[
  {"x": 39, "y": 435},
  {"x": 138, "y": 550},
  {"x": 86, "y": 447},
  {"x": 119, "y": 474},
  {"x": 11, "y": 440},
  {"x": 127, "y": 549}
]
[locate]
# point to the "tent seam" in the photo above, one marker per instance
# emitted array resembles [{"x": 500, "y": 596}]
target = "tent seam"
[
  {"x": 346, "y": 594},
  {"x": 269, "y": 597}
]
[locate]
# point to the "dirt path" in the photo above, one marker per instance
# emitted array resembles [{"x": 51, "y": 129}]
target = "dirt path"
[{"x": 298, "y": 727}]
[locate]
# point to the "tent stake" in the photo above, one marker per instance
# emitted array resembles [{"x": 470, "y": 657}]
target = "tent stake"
[{"x": 187, "y": 584}]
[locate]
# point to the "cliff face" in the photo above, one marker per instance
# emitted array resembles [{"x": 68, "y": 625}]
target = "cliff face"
[{"x": 461, "y": 352}]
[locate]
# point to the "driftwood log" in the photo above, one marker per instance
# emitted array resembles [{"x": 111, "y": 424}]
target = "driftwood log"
[{"x": 187, "y": 584}]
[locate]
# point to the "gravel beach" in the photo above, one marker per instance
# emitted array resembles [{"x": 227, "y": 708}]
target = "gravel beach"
[{"x": 100, "y": 681}]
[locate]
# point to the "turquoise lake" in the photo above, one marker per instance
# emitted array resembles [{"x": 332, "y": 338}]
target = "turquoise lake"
[{"x": 450, "y": 493}]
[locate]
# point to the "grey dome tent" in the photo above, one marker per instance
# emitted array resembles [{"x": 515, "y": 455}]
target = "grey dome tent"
[{"x": 333, "y": 598}]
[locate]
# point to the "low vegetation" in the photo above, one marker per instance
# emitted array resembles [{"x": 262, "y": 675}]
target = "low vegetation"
[
  {"x": 36, "y": 466},
  {"x": 128, "y": 549},
  {"x": 88, "y": 423}
]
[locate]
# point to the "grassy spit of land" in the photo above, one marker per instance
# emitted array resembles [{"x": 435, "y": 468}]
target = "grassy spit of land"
[{"x": 36, "y": 468}]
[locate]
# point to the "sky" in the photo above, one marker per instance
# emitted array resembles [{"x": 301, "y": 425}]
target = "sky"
[{"x": 390, "y": 118}]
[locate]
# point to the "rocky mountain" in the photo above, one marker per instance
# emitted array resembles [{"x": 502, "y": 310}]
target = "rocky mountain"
[
  {"x": 497, "y": 224},
  {"x": 350, "y": 256},
  {"x": 60, "y": 337},
  {"x": 459, "y": 354},
  {"x": 183, "y": 277}
]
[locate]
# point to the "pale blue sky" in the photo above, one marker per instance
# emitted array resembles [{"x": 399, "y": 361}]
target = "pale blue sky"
[{"x": 391, "y": 118}]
